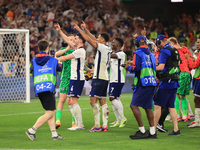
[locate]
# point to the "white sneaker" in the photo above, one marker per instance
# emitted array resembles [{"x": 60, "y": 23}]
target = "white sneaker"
[
  {"x": 70, "y": 128},
  {"x": 77, "y": 128},
  {"x": 193, "y": 125},
  {"x": 114, "y": 122},
  {"x": 75, "y": 125},
  {"x": 168, "y": 118}
]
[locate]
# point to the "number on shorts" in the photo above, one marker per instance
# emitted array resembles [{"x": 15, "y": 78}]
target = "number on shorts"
[
  {"x": 112, "y": 88},
  {"x": 72, "y": 88}
]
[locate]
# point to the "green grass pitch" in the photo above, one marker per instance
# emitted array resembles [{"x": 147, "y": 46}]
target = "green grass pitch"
[{"x": 16, "y": 118}]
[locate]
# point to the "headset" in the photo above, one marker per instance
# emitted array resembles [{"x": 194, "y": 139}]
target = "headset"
[
  {"x": 136, "y": 44},
  {"x": 158, "y": 42}
]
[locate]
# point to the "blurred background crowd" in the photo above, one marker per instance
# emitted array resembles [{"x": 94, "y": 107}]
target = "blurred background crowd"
[{"x": 111, "y": 16}]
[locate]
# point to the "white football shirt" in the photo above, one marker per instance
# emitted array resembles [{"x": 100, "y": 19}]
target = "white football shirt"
[
  {"x": 77, "y": 64},
  {"x": 116, "y": 70},
  {"x": 101, "y": 62}
]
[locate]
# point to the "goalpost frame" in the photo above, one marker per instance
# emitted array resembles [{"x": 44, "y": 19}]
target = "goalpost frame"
[{"x": 9, "y": 31}]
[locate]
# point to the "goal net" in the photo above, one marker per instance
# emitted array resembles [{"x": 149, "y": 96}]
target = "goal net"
[{"x": 14, "y": 65}]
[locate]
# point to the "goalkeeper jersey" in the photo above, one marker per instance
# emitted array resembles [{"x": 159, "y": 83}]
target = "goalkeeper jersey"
[{"x": 66, "y": 72}]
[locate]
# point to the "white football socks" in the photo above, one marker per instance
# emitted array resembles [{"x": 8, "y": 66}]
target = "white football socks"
[
  {"x": 116, "y": 106},
  {"x": 54, "y": 133},
  {"x": 121, "y": 110},
  {"x": 189, "y": 108},
  {"x": 71, "y": 109},
  {"x": 105, "y": 113},
  {"x": 142, "y": 129},
  {"x": 152, "y": 130},
  {"x": 116, "y": 113},
  {"x": 121, "y": 105},
  {"x": 72, "y": 112},
  {"x": 96, "y": 114},
  {"x": 78, "y": 114},
  {"x": 32, "y": 130},
  {"x": 197, "y": 116}
]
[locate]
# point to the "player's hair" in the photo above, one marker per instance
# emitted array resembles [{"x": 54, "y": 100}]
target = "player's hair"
[
  {"x": 173, "y": 40},
  {"x": 70, "y": 35},
  {"x": 120, "y": 41},
  {"x": 105, "y": 36},
  {"x": 42, "y": 45},
  {"x": 81, "y": 37}
]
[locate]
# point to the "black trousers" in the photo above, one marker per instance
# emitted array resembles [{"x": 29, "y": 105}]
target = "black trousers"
[{"x": 164, "y": 113}]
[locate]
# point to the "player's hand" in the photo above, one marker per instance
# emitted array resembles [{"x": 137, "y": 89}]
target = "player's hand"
[
  {"x": 135, "y": 36},
  {"x": 83, "y": 25},
  {"x": 60, "y": 59},
  {"x": 193, "y": 59},
  {"x": 144, "y": 32},
  {"x": 128, "y": 63},
  {"x": 196, "y": 53},
  {"x": 57, "y": 26},
  {"x": 187, "y": 56},
  {"x": 76, "y": 27}
]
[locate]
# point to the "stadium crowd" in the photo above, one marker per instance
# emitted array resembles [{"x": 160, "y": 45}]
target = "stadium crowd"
[{"x": 100, "y": 16}]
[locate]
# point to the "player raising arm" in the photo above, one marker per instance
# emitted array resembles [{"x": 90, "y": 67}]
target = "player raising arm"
[
  {"x": 65, "y": 82},
  {"x": 100, "y": 77},
  {"x": 77, "y": 76}
]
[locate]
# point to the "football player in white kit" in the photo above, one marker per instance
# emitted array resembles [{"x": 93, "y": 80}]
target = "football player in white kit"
[
  {"x": 100, "y": 77},
  {"x": 77, "y": 76},
  {"x": 117, "y": 80}
]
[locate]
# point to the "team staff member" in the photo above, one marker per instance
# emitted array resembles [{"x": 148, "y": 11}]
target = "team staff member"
[
  {"x": 144, "y": 67},
  {"x": 169, "y": 60},
  {"x": 45, "y": 68},
  {"x": 196, "y": 90}
]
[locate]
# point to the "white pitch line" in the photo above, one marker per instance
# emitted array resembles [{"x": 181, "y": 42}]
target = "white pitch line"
[
  {"x": 39, "y": 112},
  {"x": 30, "y": 113},
  {"x": 33, "y": 149},
  {"x": 44, "y": 111}
]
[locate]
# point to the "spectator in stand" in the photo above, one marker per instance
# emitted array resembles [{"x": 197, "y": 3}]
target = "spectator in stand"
[
  {"x": 2, "y": 15},
  {"x": 52, "y": 44},
  {"x": 32, "y": 21},
  {"x": 41, "y": 27},
  {"x": 34, "y": 45},
  {"x": 23, "y": 25},
  {"x": 34, "y": 28},
  {"x": 10, "y": 13},
  {"x": 41, "y": 35},
  {"x": 24, "y": 9},
  {"x": 108, "y": 16}
]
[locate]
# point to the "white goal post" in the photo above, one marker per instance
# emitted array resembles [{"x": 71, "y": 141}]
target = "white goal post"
[{"x": 14, "y": 65}]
